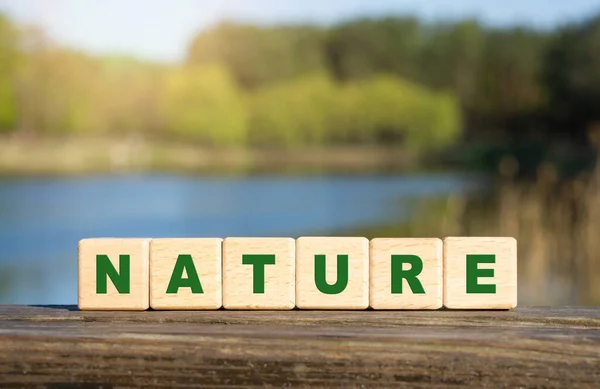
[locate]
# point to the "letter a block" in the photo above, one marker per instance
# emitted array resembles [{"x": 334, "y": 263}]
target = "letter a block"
[
  {"x": 258, "y": 273},
  {"x": 480, "y": 273},
  {"x": 332, "y": 273},
  {"x": 185, "y": 273},
  {"x": 405, "y": 273},
  {"x": 113, "y": 274}
]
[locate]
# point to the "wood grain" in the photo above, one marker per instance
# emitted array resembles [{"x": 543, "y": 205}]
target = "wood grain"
[
  {"x": 238, "y": 278},
  {"x": 138, "y": 297},
  {"x": 429, "y": 250},
  {"x": 61, "y": 347},
  {"x": 456, "y": 250},
  {"x": 206, "y": 258},
  {"x": 356, "y": 293}
]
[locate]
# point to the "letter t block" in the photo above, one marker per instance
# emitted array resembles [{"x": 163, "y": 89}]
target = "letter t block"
[
  {"x": 258, "y": 273},
  {"x": 113, "y": 274},
  {"x": 480, "y": 273}
]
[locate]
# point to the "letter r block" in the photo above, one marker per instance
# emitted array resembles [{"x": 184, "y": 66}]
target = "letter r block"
[
  {"x": 113, "y": 274},
  {"x": 185, "y": 273},
  {"x": 332, "y": 273},
  {"x": 405, "y": 273},
  {"x": 258, "y": 273},
  {"x": 480, "y": 273}
]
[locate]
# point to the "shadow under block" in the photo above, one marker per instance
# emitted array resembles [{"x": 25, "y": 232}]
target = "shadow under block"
[
  {"x": 332, "y": 273},
  {"x": 405, "y": 273},
  {"x": 113, "y": 274},
  {"x": 185, "y": 273},
  {"x": 480, "y": 273},
  {"x": 258, "y": 273}
]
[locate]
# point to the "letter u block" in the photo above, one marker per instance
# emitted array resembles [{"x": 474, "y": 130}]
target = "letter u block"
[
  {"x": 480, "y": 273},
  {"x": 258, "y": 273},
  {"x": 405, "y": 273},
  {"x": 332, "y": 273},
  {"x": 113, "y": 274}
]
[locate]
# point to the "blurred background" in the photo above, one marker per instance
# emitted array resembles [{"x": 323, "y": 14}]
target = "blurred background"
[{"x": 238, "y": 118}]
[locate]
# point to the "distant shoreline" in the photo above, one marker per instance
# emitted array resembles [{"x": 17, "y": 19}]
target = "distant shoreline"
[{"x": 77, "y": 156}]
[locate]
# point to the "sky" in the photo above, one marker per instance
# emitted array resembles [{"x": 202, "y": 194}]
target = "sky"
[{"x": 161, "y": 30}]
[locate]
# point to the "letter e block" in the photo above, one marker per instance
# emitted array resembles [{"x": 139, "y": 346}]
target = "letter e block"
[
  {"x": 332, "y": 273},
  {"x": 185, "y": 273},
  {"x": 480, "y": 273},
  {"x": 113, "y": 274},
  {"x": 258, "y": 273},
  {"x": 405, "y": 273}
]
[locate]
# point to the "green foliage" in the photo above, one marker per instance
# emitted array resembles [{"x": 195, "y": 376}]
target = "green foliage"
[
  {"x": 383, "y": 109},
  {"x": 204, "y": 104},
  {"x": 572, "y": 76},
  {"x": 298, "y": 112},
  {"x": 257, "y": 56},
  {"x": 386, "y": 109},
  {"x": 8, "y": 61},
  {"x": 367, "y": 81}
]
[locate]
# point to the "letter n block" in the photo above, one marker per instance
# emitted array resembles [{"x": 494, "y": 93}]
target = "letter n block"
[
  {"x": 258, "y": 273},
  {"x": 480, "y": 273},
  {"x": 113, "y": 274},
  {"x": 405, "y": 273},
  {"x": 185, "y": 273},
  {"x": 332, "y": 273}
]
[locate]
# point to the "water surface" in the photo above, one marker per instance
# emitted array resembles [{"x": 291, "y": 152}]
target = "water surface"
[{"x": 41, "y": 220}]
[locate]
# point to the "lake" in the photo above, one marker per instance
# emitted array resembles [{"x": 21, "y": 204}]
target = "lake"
[{"x": 42, "y": 219}]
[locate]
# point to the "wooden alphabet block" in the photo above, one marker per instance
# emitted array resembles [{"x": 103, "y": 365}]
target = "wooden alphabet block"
[
  {"x": 405, "y": 273},
  {"x": 113, "y": 274},
  {"x": 332, "y": 273},
  {"x": 185, "y": 273},
  {"x": 480, "y": 273},
  {"x": 258, "y": 273}
]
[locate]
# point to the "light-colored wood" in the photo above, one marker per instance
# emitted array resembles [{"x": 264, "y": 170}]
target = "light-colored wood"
[
  {"x": 206, "y": 258},
  {"x": 429, "y": 251},
  {"x": 356, "y": 293},
  {"x": 456, "y": 250},
  {"x": 238, "y": 278},
  {"x": 138, "y": 296}
]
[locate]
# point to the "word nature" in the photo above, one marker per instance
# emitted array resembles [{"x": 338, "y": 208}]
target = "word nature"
[{"x": 307, "y": 273}]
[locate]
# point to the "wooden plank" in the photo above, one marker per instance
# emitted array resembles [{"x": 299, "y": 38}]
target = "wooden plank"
[{"x": 57, "y": 346}]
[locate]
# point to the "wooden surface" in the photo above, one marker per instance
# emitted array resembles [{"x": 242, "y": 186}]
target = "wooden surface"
[{"x": 61, "y": 347}]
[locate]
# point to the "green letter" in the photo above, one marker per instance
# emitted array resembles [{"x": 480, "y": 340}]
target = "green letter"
[
  {"x": 342, "y": 274},
  {"x": 184, "y": 261},
  {"x": 120, "y": 279},
  {"x": 258, "y": 271},
  {"x": 473, "y": 272},
  {"x": 416, "y": 267}
]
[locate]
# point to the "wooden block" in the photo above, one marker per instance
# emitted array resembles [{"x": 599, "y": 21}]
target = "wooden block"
[
  {"x": 113, "y": 274},
  {"x": 332, "y": 273},
  {"x": 405, "y": 273},
  {"x": 258, "y": 273},
  {"x": 185, "y": 273},
  {"x": 480, "y": 273}
]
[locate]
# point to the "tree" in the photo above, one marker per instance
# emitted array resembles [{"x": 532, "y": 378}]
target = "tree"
[
  {"x": 203, "y": 103},
  {"x": 572, "y": 76},
  {"x": 9, "y": 57},
  {"x": 258, "y": 56}
]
